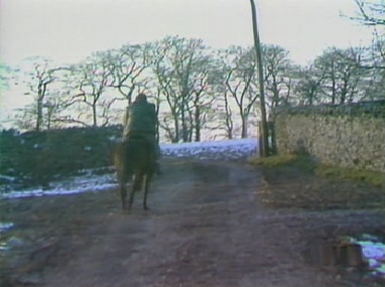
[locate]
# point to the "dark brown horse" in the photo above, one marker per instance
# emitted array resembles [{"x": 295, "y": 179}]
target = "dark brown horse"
[{"x": 134, "y": 161}]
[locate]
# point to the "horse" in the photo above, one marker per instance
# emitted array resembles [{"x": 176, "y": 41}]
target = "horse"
[{"x": 134, "y": 160}]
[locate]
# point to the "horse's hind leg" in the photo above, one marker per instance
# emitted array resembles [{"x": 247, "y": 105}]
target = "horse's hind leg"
[
  {"x": 146, "y": 188},
  {"x": 131, "y": 199},
  {"x": 123, "y": 194},
  {"x": 136, "y": 186}
]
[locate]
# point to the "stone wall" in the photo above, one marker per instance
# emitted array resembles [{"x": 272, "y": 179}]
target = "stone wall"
[{"x": 344, "y": 135}]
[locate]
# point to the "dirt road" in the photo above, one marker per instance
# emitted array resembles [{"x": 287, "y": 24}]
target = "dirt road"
[{"x": 207, "y": 227}]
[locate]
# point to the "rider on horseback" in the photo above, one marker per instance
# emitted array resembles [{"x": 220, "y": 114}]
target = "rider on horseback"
[{"x": 141, "y": 120}]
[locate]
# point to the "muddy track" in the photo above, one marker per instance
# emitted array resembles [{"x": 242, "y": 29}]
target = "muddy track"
[{"x": 206, "y": 227}]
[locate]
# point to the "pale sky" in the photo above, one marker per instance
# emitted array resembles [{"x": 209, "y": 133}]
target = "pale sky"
[{"x": 69, "y": 30}]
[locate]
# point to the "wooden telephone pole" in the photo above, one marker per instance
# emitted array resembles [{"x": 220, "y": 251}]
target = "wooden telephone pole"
[{"x": 257, "y": 46}]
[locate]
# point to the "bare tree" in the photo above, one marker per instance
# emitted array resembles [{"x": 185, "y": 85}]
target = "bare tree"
[
  {"x": 341, "y": 75},
  {"x": 370, "y": 13},
  {"x": 24, "y": 119},
  {"x": 54, "y": 106},
  {"x": 202, "y": 112},
  {"x": 216, "y": 111},
  {"x": 91, "y": 79},
  {"x": 169, "y": 122},
  {"x": 5, "y": 72},
  {"x": 180, "y": 70},
  {"x": 38, "y": 79},
  {"x": 224, "y": 115},
  {"x": 240, "y": 66},
  {"x": 278, "y": 74},
  {"x": 309, "y": 86},
  {"x": 128, "y": 65}
]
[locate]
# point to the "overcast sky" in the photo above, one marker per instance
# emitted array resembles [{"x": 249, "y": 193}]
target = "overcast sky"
[{"x": 69, "y": 30}]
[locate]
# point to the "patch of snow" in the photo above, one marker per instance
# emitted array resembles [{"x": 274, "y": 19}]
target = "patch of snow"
[
  {"x": 72, "y": 186},
  {"x": 94, "y": 171},
  {"x": 7, "y": 178},
  {"x": 104, "y": 178},
  {"x": 15, "y": 242},
  {"x": 3, "y": 246},
  {"x": 16, "y": 133},
  {"x": 5, "y": 226},
  {"x": 223, "y": 150},
  {"x": 381, "y": 270},
  {"x": 373, "y": 263},
  {"x": 87, "y": 148},
  {"x": 373, "y": 252},
  {"x": 369, "y": 237},
  {"x": 113, "y": 139}
]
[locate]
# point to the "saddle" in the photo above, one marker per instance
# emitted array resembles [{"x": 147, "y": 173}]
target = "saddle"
[
  {"x": 145, "y": 139},
  {"x": 136, "y": 136},
  {"x": 140, "y": 137}
]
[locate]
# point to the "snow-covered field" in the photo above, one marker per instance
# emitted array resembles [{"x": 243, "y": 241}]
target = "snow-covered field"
[
  {"x": 222, "y": 150},
  {"x": 89, "y": 181}
]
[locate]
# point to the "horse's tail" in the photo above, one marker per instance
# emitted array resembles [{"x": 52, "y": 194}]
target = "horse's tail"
[
  {"x": 120, "y": 164},
  {"x": 123, "y": 160},
  {"x": 129, "y": 155}
]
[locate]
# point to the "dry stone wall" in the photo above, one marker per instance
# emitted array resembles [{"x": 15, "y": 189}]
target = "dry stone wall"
[{"x": 344, "y": 135}]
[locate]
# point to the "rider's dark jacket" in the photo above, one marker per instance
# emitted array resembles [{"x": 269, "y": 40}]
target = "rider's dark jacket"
[{"x": 141, "y": 118}]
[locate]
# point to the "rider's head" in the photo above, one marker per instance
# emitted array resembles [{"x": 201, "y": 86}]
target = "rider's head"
[{"x": 141, "y": 98}]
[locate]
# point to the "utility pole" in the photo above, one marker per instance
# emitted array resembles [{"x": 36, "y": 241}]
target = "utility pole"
[{"x": 257, "y": 46}]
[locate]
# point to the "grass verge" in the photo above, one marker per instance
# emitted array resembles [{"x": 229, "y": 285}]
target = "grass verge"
[
  {"x": 328, "y": 171},
  {"x": 298, "y": 181}
]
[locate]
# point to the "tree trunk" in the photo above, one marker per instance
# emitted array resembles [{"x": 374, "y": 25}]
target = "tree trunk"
[
  {"x": 228, "y": 119},
  {"x": 197, "y": 119},
  {"x": 197, "y": 125},
  {"x": 184, "y": 125},
  {"x": 39, "y": 118},
  {"x": 244, "y": 126},
  {"x": 94, "y": 119},
  {"x": 176, "y": 126},
  {"x": 130, "y": 93},
  {"x": 42, "y": 88},
  {"x": 333, "y": 90}
]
